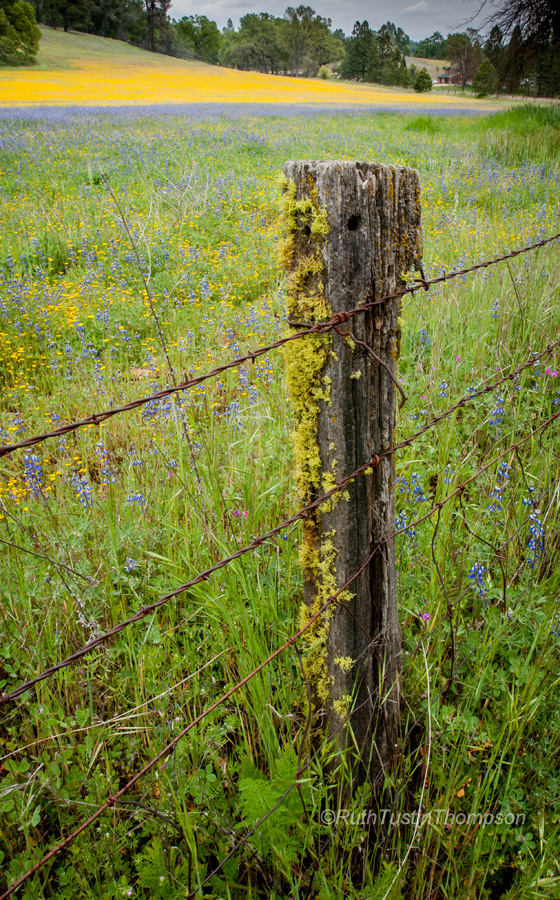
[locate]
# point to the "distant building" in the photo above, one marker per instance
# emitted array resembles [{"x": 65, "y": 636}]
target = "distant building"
[{"x": 450, "y": 75}]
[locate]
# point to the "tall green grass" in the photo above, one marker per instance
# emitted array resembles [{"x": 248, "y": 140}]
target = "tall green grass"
[{"x": 172, "y": 492}]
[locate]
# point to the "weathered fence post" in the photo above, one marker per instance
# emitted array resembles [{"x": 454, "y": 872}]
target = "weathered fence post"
[{"x": 352, "y": 230}]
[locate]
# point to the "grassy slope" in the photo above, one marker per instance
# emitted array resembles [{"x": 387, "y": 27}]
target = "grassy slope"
[
  {"x": 60, "y": 50},
  {"x": 433, "y": 66},
  {"x": 115, "y": 73}
]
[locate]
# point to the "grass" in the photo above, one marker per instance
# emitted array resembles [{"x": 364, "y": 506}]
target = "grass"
[
  {"x": 60, "y": 50},
  {"x": 103, "y": 521},
  {"x": 85, "y": 70}
]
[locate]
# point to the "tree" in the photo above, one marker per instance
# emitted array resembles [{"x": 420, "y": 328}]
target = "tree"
[
  {"x": 158, "y": 25},
  {"x": 432, "y": 47},
  {"x": 485, "y": 79},
  {"x": 404, "y": 76},
  {"x": 423, "y": 82},
  {"x": 532, "y": 58},
  {"x": 361, "y": 62},
  {"x": 515, "y": 62},
  {"x": 398, "y": 37},
  {"x": 19, "y": 34},
  {"x": 258, "y": 44},
  {"x": 495, "y": 51},
  {"x": 536, "y": 19},
  {"x": 465, "y": 52},
  {"x": 201, "y": 36},
  {"x": 308, "y": 39},
  {"x": 386, "y": 56}
]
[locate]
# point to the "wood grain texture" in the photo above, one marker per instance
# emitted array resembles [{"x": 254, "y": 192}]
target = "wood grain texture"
[{"x": 373, "y": 214}]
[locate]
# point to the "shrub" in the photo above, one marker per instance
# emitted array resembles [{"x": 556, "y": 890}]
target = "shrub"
[
  {"x": 19, "y": 34},
  {"x": 485, "y": 79},
  {"x": 422, "y": 82}
]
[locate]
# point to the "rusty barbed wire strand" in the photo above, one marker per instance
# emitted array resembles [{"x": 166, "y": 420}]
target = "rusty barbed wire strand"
[
  {"x": 406, "y": 658},
  {"x": 310, "y": 328},
  {"x": 289, "y": 642},
  {"x": 256, "y": 542}
]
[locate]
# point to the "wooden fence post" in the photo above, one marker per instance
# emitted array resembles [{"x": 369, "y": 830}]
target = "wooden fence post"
[{"x": 352, "y": 230}]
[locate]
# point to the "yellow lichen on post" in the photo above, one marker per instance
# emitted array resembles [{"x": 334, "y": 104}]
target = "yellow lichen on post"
[
  {"x": 352, "y": 229},
  {"x": 305, "y": 358},
  {"x": 306, "y": 227}
]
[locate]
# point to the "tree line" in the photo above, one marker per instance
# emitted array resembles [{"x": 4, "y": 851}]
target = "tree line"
[
  {"x": 518, "y": 63},
  {"x": 520, "y": 53}
]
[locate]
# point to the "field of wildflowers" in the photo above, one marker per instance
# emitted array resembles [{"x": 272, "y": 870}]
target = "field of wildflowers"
[
  {"x": 84, "y": 70},
  {"x": 96, "y": 524}
]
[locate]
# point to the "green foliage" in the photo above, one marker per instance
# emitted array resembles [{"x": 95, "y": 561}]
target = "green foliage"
[
  {"x": 424, "y": 124},
  {"x": 510, "y": 136},
  {"x": 432, "y": 47},
  {"x": 282, "y": 836},
  {"x": 361, "y": 62},
  {"x": 200, "y": 35},
  {"x": 485, "y": 80},
  {"x": 372, "y": 56},
  {"x": 465, "y": 52},
  {"x": 301, "y": 43},
  {"x": 209, "y": 233},
  {"x": 19, "y": 34},
  {"x": 422, "y": 82}
]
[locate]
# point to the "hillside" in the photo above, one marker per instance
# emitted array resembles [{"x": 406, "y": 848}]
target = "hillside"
[
  {"x": 434, "y": 67},
  {"x": 85, "y": 70},
  {"x": 59, "y": 50}
]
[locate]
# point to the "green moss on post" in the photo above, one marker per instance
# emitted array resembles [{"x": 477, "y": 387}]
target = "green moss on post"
[{"x": 351, "y": 229}]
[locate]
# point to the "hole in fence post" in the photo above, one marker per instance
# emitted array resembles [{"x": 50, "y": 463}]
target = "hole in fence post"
[{"x": 344, "y": 404}]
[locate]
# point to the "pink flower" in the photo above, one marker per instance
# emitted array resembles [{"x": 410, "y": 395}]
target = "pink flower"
[
  {"x": 458, "y": 358},
  {"x": 425, "y": 616}
]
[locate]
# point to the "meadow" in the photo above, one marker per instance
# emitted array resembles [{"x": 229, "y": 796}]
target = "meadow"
[
  {"x": 84, "y": 70},
  {"x": 101, "y": 522}
]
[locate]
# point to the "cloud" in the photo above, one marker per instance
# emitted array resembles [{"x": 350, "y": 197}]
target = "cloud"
[{"x": 421, "y": 7}]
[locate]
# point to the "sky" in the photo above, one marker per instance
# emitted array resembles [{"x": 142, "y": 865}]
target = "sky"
[{"x": 418, "y": 18}]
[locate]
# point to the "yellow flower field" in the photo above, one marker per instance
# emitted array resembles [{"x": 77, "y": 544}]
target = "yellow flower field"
[
  {"x": 99, "y": 84},
  {"x": 89, "y": 71}
]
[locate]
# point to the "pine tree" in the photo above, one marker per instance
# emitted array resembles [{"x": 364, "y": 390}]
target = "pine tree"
[
  {"x": 362, "y": 58},
  {"x": 515, "y": 63},
  {"x": 485, "y": 79}
]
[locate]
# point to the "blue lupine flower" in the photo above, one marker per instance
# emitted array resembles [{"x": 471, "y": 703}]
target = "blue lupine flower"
[
  {"x": 82, "y": 489},
  {"x": 33, "y": 474},
  {"x": 497, "y": 494},
  {"x": 536, "y": 540},
  {"x": 498, "y": 414},
  {"x": 476, "y": 575}
]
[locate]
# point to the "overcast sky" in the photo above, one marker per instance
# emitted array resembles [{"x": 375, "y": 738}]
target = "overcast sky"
[{"x": 418, "y": 18}]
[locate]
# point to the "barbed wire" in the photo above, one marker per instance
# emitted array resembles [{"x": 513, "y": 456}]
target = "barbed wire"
[
  {"x": 256, "y": 542},
  {"x": 406, "y": 657},
  {"x": 398, "y": 750},
  {"x": 170, "y": 746},
  {"x": 310, "y": 328}
]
